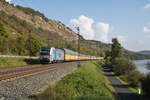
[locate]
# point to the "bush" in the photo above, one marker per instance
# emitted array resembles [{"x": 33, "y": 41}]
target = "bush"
[
  {"x": 146, "y": 85},
  {"x": 134, "y": 77},
  {"x": 122, "y": 65},
  {"x": 14, "y": 62},
  {"x": 33, "y": 45},
  {"x": 108, "y": 62}
]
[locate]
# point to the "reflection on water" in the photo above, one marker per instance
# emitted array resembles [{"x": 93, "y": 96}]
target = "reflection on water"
[{"x": 141, "y": 66}]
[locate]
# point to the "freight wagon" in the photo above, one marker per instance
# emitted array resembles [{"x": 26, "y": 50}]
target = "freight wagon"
[{"x": 52, "y": 55}]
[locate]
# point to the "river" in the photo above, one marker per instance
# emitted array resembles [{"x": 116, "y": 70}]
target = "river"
[{"x": 141, "y": 66}]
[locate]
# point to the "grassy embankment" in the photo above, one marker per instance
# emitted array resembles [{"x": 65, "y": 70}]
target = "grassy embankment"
[
  {"x": 85, "y": 83},
  {"x": 14, "y": 62}
]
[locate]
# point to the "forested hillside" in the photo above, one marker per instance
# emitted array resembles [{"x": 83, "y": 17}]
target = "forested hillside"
[
  {"x": 145, "y": 52},
  {"x": 23, "y": 31},
  {"x": 27, "y": 30}
]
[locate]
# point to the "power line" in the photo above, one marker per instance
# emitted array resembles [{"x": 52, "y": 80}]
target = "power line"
[
  {"x": 30, "y": 43},
  {"x": 78, "y": 30}
]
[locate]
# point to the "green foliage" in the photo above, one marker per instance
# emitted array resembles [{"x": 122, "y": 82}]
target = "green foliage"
[
  {"x": 122, "y": 65},
  {"x": 49, "y": 94},
  {"x": 21, "y": 48},
  {"x": 14, "y": 62},
  {"x": 18, "y": 45},
  {"x": 86, "y": 83},
  {"x": 108, "y": 62},
  {"x": 146, "y": 85},
  {"x": 102, "y": 54},
  {"x": 3, "y": 32},
  {"x": 21, "y": 29},
  {"x": 4, "y": 46},
  {"x": 108, "y": 59},
  {"x": 119, "y": 64},
  {"x": 134, "y": 77},
  {"x": 33, "y": 45},
  {"x": 3, "y": 38},
  {"x": 116, "y": 50},
  {"x": 116, "y": 54}
]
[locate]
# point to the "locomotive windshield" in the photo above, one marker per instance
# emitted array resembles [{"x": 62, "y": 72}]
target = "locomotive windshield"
[
  {"x": 44, "y": 53},
  {"x": 45, "y": 49}
]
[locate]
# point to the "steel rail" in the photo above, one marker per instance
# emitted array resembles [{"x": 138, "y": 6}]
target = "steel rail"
[{"x": 19, "y": 72}]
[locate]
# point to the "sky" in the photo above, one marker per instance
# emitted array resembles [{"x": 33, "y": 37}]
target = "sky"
[{"x": 102, "y": 20}]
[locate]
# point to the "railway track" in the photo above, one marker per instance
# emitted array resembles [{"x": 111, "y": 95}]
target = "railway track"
[{"x": 7, "y": 74}]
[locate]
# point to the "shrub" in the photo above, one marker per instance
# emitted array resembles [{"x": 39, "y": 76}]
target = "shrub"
[
  {"x": 146, "y": 85},
  {"x": 33, "y": 45},
  {"x": 134, "y": 77},
  {"x": 122, "y": 65},
  {"x": 108, "y": 62}
]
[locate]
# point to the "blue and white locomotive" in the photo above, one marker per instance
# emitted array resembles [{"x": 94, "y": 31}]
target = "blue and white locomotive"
[{"x": 51, "y": 55}]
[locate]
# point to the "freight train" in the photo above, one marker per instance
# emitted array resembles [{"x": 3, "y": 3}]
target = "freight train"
[{"x": 52, "y": 55}]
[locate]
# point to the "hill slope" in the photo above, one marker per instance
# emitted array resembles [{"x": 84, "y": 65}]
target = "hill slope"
[
  {"x": 24, "y": 30},
  {"x": 145, "y": 52}
]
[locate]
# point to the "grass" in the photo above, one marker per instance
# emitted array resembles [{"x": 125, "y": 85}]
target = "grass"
[
  {"x": 14, "y": 62},
  {"x": 85, "y": 83}
]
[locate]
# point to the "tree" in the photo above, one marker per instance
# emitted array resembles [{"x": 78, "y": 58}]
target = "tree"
[
  {"x": 102, "y": 54},
  {"x": 116, "y": 50},
  {"x": 3, "y": 39},
  {"x": 146, "y": 85},
  {"x": 122, "y": 65},
  {"x": 134, "y": 77},
  {"x": 33, "y": 46},
  {"x": 20, "y": 45}
]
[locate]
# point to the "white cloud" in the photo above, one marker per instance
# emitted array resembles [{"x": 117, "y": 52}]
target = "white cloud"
[
  {"x": 141, "y": 42},
  {"x": 102, "y": 31},
  {"x": 122, "y": 38},
  {"x": 148, "y": 36},
  {"x": 146, "y": 29},
  {"x": 85, "y": 25},
  {"x": 90, "y": 30},
  {"x": 8, "y": 1},
  {"x": 147, "y": 5}
]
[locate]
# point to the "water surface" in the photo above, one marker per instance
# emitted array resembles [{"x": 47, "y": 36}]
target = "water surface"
[{"x": 141, "y": 65}]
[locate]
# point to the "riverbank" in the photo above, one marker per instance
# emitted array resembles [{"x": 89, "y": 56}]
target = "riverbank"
[
  {"x": 85, "y": 83},
  {"x": 14, "y": 62}
]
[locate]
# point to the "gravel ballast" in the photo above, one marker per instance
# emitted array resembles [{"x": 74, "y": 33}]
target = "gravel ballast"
[{"x": 21, "y": 88}]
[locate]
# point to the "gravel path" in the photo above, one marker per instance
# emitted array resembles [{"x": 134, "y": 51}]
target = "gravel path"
[
  {"x": 20, "y": 89},
  {"x": 121, "y": 90}
]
